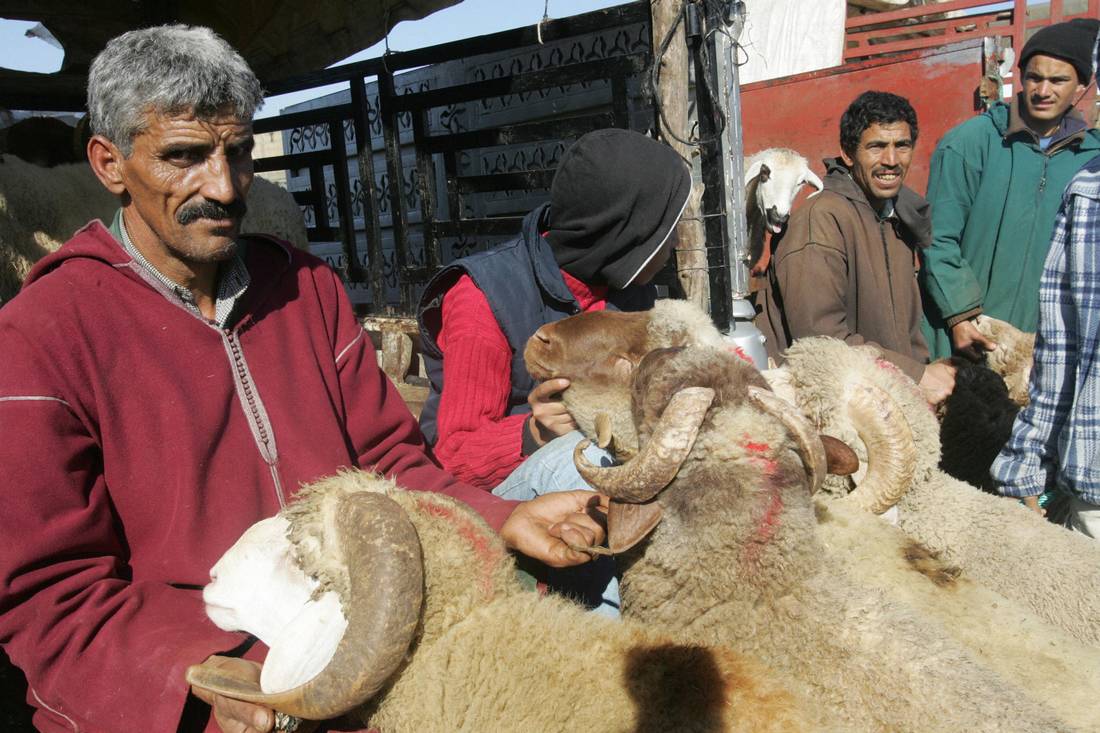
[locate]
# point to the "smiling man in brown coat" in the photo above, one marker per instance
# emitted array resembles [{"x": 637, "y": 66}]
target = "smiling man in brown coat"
[{"x": 846, "y": 266}]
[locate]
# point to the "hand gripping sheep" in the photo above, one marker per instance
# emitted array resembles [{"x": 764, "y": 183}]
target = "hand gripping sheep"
[
  {"x": 721, "y": 546},
  {"x": 402, "y": 609}
]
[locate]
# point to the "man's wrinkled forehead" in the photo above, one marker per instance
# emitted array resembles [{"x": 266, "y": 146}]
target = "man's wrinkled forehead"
[{"x": 187, "y": 123}]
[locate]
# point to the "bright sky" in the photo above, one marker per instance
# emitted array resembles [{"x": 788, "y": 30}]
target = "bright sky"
[{"x": 469, "y": 18}]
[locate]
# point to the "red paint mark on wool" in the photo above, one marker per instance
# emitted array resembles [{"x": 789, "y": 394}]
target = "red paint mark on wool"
[
  {"x": 763, "y": 462},
  {"x": 484, "y": 549},
  {"x": 914, "y": 388},
  {"x": 888, "y": 365},
  {"x": 765, "y": 529},
  {"x": 740, "y": 353}
]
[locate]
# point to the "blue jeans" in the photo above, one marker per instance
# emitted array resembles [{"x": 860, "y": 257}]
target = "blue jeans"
[{"x": 549, "y": 470}]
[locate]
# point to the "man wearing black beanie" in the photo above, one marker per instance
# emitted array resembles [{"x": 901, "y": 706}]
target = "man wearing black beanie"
[
  {"x": 995, "y": 185},
  {"x": 608, "y": 228}
]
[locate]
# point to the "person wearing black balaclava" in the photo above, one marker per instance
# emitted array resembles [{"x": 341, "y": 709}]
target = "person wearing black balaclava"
[{"x": 607, "y": 230}]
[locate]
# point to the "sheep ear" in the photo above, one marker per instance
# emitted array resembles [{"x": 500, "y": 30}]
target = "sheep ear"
[
  {"x": 808, "y": 176},
  {"x": 603, "y": 430},
  {"x": 629, "y": 524},
  {"x": 757, "y": 169},
  {"x": 305, "y": 646},
  {"x": 841, "y": 459}
]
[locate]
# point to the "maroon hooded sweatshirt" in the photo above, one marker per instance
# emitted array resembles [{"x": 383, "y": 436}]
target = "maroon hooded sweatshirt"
[{"x": 137, "y": 443}]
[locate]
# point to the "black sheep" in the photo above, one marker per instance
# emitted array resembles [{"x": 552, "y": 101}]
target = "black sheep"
[{"x": 975, "y": 423}]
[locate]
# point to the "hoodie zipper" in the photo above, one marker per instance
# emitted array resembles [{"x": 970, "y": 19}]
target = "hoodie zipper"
[
  {"x": 249, "y": 396},
  {"x": 889, "y": 275},
  {"x": 1034, "y": 220}
]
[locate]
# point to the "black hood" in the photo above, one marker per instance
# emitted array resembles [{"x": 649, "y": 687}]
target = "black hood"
[{"x": 615, "y": 198}]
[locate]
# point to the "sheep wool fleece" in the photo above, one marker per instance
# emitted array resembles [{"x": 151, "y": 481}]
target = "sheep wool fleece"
[{"x": 139, "y": 442}]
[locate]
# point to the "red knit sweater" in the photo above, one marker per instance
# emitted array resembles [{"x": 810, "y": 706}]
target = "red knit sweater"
[{"x": 478, "y": 443}]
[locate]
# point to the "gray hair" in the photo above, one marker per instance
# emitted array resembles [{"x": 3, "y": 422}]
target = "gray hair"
[{"x": 170, "y": 70}]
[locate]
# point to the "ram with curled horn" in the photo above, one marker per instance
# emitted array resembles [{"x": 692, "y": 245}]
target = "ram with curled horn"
[
  {"x": 976, "y": 552},
  {"x": 403, "y": 611},
  {"x": 731, "y": 543},
  {"x": 891, "y": 555},
  {"x": 1036, "y": 564}
]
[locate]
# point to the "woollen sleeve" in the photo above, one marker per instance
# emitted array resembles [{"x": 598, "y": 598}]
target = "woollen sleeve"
[
  {"x": 92, "y": 642},
  {"x": 478, "y": 441},
  {"x": 382, "y": 433},
  {"x": 813, "y": 278}
]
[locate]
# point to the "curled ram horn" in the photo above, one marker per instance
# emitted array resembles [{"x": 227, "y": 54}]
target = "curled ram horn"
[
  {"x": 385, "y": 588},
  {"x": 891, "y": 450},
  {"x": 658, "y": 461},
  {"x": 809, "y": 443}
]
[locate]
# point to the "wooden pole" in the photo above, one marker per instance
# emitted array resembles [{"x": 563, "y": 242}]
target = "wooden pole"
[{"x": 673, "y": 95}]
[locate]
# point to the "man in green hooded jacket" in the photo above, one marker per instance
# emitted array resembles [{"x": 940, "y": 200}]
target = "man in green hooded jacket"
[{"x": 995, "y": 185}]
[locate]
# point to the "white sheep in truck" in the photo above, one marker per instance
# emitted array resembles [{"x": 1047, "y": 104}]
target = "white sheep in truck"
[
  {"x": 773, "y": 178},
  {"x": 40, "y": 208}
]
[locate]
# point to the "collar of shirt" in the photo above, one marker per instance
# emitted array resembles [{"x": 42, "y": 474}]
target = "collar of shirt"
[
  {"x": 233, "y": 278},
  {"x": 1071, "y": 124},
  {"x": 586, "y": 295}
]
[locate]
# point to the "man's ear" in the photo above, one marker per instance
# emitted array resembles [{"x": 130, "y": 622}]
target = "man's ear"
[
  {"x": 848, "y": 160},
  {"x": 106, "y": 161}
]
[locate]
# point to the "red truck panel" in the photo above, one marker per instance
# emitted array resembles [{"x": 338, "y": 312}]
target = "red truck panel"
[{"x": 803, "y": 111}]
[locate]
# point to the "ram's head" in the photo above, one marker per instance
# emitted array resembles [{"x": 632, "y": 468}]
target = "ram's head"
[
  {"x": 333, "y": 585},
  {"x": 598, "y": 352},
  {"x": 678, "y": 394}
]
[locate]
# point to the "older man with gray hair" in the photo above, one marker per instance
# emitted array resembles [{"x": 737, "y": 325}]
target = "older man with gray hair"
[{"x": 168, "y": 382}]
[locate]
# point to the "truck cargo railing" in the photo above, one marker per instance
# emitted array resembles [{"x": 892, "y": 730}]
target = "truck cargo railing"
[{"x": 930, "y": 26}]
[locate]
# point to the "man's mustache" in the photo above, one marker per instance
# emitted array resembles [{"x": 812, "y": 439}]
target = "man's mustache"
[{"x": 212, "y": 210}]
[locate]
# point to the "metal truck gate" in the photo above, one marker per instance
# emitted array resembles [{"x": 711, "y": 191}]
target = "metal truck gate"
[{"x": 405, "y": 172}]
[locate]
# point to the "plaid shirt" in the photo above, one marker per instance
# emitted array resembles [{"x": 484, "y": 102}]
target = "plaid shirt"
[{"x": 1056, "y": 438}]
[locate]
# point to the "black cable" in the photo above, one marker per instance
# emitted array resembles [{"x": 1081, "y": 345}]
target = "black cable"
[{"x": 655, "y": 85}]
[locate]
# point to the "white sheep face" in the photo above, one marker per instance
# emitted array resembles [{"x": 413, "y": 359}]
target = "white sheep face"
[
  {"x": 779, "y": 174},
  {"x": 257, "y": 587}
]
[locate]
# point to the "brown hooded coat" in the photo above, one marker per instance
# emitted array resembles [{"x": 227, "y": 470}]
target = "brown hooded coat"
[{"x": 839, "y": 270}]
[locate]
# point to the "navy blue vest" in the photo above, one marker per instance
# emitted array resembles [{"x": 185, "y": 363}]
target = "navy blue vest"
[{"x": 525, "y": 290}]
